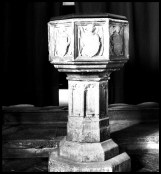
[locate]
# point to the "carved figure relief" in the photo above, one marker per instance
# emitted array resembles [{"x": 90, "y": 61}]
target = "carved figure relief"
[
  {"x": 90, "y": 40},
  {"x": 116, "y": 40},
  {"x": 62, "y": 42}
]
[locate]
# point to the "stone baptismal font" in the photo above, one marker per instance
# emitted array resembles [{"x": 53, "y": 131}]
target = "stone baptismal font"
[{"x": 88, "y": 48}]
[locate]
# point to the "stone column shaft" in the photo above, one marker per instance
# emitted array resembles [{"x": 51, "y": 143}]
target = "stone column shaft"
[{"x": 88, "y": 119}]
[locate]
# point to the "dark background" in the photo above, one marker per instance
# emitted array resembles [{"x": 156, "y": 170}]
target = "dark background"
[{"x": 27, "y": 75}]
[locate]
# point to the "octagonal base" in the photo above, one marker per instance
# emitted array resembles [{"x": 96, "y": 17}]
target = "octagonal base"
[
  {"x": 88, "y": 152},
  {"x": 120, "y": 163}
]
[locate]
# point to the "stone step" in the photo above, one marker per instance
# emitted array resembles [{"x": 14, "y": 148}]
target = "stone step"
[
  {"x": 41, "y": 165},
  {"x": 21, "y": 114},
  {"x": 141, "y": 162},
  {"x": 28, "y": 114}
]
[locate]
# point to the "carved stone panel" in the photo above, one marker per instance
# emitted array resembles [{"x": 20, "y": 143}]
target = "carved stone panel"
[
  {"x": 118, "y": 40},
  {"x": 90, "y": 40},
  {"x": 84, "y": 99},
  {"x": 103, "y": 99},
  {"x": 76, "y": 99},
  {"x": 88, "y": 99},
  {"x": 61, "y": 41}
]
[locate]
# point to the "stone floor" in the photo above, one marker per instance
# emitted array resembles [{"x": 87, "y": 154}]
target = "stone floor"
[
  {"x": 25, "y": 147},
  {"x": 137, "y": 140},
  {"x": 41, "y": 164}
]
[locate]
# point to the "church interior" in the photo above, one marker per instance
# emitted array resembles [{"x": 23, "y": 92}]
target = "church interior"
[{"x": 35, "y": 96}]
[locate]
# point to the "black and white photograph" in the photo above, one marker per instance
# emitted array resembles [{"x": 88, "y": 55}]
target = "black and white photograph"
[{"x": 80, "y": 86}]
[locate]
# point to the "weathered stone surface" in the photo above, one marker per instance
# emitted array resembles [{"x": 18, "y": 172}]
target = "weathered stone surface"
[
  {"x": 71, "y": 39},
  {"x": 17, "y": 144},
  {"x": 81, "y": 129},
  {"x": 70, "y": 51},
  {"x": 88, "y": 152},
  {"x": 120, "y": 163},
  {"x": 88, "y": 98}
]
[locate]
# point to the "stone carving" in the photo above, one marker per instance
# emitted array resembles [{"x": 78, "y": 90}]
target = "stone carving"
[
  {"x": 88, "y": 101},
  {"x": 73, "y": 87},
  {"x": 87, "y": 146},
  {"x": 103, "y": 100},
  {"x": 116, "y": 39},
  {"x": 62, "y": 42},
  {"x": 90, "y": 40}
]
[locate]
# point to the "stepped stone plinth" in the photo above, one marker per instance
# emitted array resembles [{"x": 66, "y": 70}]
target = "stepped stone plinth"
[{"x": 88, "y": 48}]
